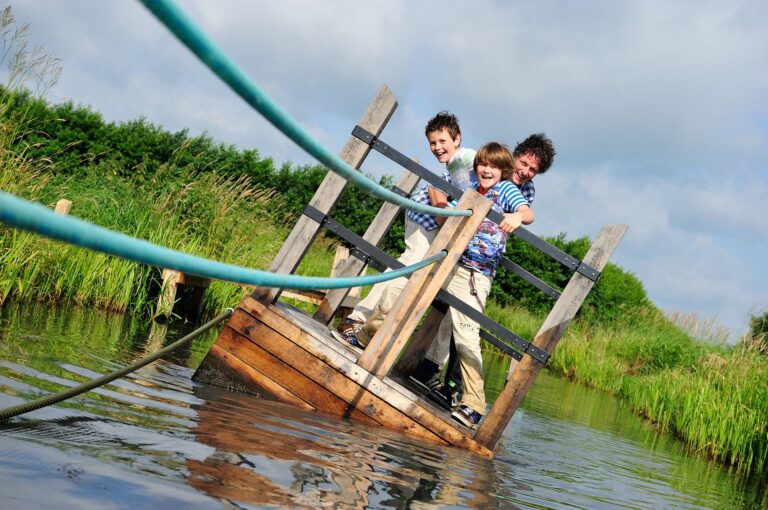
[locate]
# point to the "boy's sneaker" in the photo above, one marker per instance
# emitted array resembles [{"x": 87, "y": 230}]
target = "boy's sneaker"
[
  {"x": 467, "y": 416},
  {"x": 350, "y": 337},
  {"x": 349, "y": 325}
]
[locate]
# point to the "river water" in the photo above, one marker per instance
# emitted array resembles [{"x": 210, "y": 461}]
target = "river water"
[{"x": 157, "y": 440}]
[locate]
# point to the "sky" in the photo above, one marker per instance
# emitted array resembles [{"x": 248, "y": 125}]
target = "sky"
[{"x": 658, "y": 109}]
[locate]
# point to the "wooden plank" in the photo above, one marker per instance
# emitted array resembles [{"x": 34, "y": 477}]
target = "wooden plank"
[
  {"x": 327, "y": 377},
  {"x": 385, "y": 346},
  {"x": 63, "y": 206},
  {"x": 374, "y": 235},
  {"x": 397, "y": 396},
  {"x": 422, "y": 339},
  {"x": 253, "y": 376},
  {"x": 290, "y": 377},
  {"x": 521, "y": 379},
  {"x": 327, "y": 195}
]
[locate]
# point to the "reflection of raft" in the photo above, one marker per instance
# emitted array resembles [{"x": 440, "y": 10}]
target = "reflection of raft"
[{"x": 270, "y": 347}]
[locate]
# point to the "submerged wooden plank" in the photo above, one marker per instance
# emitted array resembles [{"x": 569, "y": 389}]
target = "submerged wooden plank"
[
  {"x": 389, "y": 391},
  {"x": 253, "y": 376},
  {"x": 290, "y": 377},
  {"x": 327, "y": 377}
]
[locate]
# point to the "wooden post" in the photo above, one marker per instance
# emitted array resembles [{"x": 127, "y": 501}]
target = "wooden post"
[
  {"x": 167, "y": 295},
  {"x": 167, "y": 299},
  {"x": 375, "y": 233},
  {"x": 422, "y": 340},
  {"x": 354, "y": 153},
  {"x": 63, "y": 206},
  {"x": 521, "y": 379},
  {"x": 422, "y": 287}
]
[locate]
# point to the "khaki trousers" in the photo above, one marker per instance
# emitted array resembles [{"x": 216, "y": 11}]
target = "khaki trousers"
[{"x": 466, "y": 333}]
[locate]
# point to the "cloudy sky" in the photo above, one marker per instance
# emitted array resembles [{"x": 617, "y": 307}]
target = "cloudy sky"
[{"x": 658, "y": 110}]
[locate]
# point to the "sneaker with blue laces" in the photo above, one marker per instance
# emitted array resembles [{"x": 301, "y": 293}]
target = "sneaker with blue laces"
[
  {"x": 467, "y": 416},
  {"x": 350, "y": 337}
]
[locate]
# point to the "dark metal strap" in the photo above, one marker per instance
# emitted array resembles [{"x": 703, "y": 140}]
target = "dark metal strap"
[
  {"x": 454, "y": 192},
  {"x": 378, "y": 258}
]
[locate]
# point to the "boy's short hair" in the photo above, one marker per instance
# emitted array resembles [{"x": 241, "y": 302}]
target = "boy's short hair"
[
  {"x": 443, "y": 120},
  {"x": 495, "y": 154},
  {"x": 540, "y": 146}
]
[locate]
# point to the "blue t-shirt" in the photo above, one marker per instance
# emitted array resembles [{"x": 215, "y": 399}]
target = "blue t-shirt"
[{"x": 486, "y": 248}]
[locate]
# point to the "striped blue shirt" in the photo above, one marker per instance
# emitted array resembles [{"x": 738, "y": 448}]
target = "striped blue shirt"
[{"x": 428, "y": 222}]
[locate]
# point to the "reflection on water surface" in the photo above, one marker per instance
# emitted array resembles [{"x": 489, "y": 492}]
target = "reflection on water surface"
[{"x": 156, "y": 440}]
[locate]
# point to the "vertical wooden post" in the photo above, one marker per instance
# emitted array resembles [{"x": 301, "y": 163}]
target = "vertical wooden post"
[
  {"x": 192, "y": 305},
  {"x": 375, "y": 233},
  {"x": 354, "y": 153},
  {"x": 63, "y": 206},
  {"x": 167, "y": 295},
  {"x": 521, "y": 379},
  {"x": 422, "y": 340},
  {"x": 422, "y": 287}
]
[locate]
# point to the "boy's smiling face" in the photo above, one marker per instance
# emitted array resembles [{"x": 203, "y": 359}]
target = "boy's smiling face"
[
  {"x": 442, "y": 145},
  {"x": 488, "y": 175}
]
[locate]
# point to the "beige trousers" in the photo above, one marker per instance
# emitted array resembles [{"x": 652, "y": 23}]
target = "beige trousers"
[{"x": 466, "y": 333}]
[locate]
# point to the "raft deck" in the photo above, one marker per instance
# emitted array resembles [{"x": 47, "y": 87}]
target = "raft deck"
[{"x": 279, "y": 350}]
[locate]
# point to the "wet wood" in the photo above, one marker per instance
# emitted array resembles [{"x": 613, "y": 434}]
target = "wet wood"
[
  {"x": 385, "y": 346},
  {"x": 292, "y": 377},
  {"x": 327, "y": 195},
  {"x": 342, "y": 358},
  {"x": 329, "y": 381},
  {"x": 171, "y": 280},
  {"x": 550, "y": 333},
  {"x": 250, "y": 375}
]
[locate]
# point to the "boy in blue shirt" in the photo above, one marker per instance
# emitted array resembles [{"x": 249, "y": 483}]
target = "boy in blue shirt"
[{"x": 473, "y": 275}]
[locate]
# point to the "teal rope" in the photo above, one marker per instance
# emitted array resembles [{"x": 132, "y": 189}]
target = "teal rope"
[
  {"x": 27, "y": 215},
  {"x": 55, "y": 398},
  {"x": 225, "y": 68}
]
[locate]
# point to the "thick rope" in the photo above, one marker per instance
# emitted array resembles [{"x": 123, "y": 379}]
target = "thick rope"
[
  {"x": 34, "y": 405},
  {"x": 33, "y": 217},
  {"x": 225, "y": 68}
]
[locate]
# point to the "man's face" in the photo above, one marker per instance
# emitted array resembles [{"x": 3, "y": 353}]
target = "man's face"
[
  {"x": 442, "y": 145},
  {"x": 524, "y": 168}
]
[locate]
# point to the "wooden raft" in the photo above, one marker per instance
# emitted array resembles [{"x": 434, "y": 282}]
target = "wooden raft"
[{"x": 269, "y": 347}]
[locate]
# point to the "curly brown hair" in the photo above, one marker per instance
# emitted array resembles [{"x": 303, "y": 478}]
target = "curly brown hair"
[{"x": 540, "y": 146}]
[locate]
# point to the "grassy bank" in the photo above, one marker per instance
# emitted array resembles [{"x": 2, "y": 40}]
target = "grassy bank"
[
  {"x": 713, "y": 397},
  {"x": 224, "y": 219}
]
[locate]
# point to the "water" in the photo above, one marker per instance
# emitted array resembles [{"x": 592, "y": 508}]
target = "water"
[{"x": 156, "y": 440}]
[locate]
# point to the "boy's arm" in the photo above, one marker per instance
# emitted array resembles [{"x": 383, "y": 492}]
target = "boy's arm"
[
  {"x": 522, "y": 216},
  {"x": 436, "y": 197}
]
